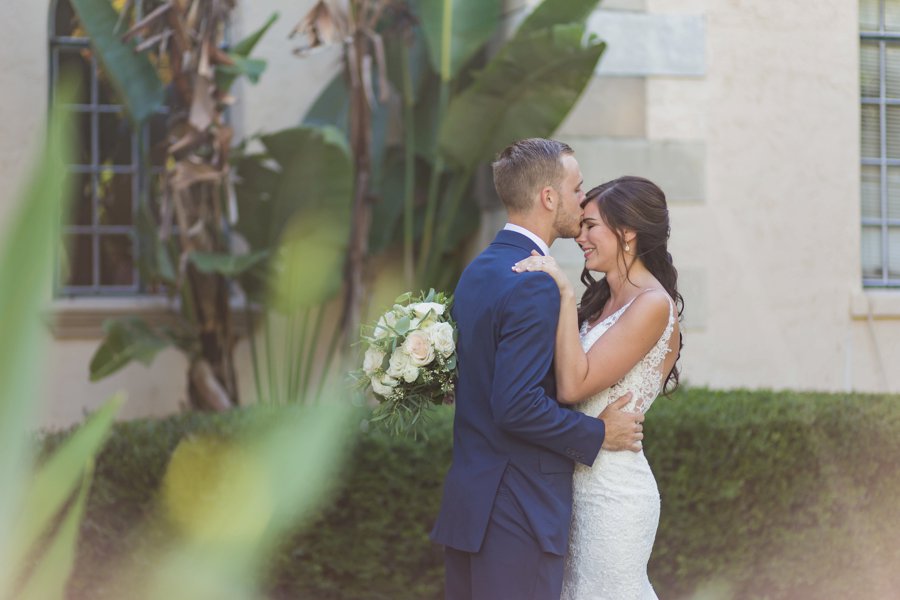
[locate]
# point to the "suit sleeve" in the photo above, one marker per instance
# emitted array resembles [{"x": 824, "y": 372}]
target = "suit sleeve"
[{"x": 519, "y": 404}]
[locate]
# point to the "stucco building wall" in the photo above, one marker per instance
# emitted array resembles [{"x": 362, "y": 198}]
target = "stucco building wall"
[{"x": 747, "y": 114}]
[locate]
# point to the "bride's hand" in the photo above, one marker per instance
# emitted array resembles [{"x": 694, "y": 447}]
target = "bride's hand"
[{"x": 547, "y": 264}]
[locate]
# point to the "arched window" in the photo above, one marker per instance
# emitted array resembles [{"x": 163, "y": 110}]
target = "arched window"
[{"x": 115, "y": 166}]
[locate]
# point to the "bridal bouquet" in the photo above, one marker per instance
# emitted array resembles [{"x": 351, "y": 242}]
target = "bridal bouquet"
[{"x": 410, "y": 359}]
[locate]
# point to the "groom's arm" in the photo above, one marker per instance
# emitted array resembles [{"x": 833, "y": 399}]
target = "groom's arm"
[{"x": 519, "y": 404}]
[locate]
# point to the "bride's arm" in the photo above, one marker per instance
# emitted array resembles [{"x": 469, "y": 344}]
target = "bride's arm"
[{"x": 580, "y": 375}]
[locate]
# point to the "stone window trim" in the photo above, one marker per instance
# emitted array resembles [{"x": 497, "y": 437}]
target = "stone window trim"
[
  {"x": 82, "y": 317},
  {"x": 875, "y": 303}
]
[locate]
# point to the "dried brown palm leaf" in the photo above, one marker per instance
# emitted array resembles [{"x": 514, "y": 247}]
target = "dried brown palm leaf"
[
  {"x": 187, "y": 173},
  {"x": 143, "y": 26},
  {"x": 323, "y": 25}
]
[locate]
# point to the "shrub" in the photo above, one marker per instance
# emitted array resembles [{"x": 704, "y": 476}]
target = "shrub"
[
  {"x": 776, "y": 495},
  {"x": 764, "y": 495}
]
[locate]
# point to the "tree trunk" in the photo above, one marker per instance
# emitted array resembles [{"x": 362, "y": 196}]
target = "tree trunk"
[{"x": 360, "y": 144}]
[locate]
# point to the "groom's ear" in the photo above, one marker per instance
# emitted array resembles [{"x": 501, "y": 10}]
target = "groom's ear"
[{"x": 548, "y": 198}]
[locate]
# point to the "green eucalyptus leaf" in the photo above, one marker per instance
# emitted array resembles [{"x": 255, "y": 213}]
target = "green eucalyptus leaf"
[{"x": 402, "y": 326}]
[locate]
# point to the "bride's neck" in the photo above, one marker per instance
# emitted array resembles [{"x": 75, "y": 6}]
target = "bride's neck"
[{"x": 622, "y": 287}]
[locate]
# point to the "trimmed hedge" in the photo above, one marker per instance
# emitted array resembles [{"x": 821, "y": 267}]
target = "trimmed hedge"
[{"x": 764, "y": 495}]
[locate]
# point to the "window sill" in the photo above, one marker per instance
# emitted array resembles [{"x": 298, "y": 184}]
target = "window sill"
[
  {"x": 875, "y": 303},
  {"x": 82, "y": 318}
]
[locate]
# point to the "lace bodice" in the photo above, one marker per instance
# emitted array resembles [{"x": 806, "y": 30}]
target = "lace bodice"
[{"x": 645, "y": 379}]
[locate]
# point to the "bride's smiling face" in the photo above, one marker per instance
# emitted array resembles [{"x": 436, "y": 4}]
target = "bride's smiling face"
[{"x": 599, "y": 243}]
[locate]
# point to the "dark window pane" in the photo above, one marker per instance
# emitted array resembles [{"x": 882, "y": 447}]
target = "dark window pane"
[
  {"x": 75, "y": 64},
  {"x": 116, "y": 139},
  {"x": 83, "y": 129},
  {"x": 156, "y": 132},
  {"x": 114, "y": 198},
  {"x": 81, "y": 210},
  {"x": 65, "y": 23},
  {"x": 116, "y": 260},
  {"x": 79, "y": 263}
]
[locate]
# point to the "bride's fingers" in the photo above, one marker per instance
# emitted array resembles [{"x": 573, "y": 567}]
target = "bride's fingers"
[{"x": 529, "y": 264}]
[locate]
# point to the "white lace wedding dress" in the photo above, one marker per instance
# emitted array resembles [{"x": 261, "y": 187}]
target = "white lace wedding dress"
[{"x": 616, "y": 501}]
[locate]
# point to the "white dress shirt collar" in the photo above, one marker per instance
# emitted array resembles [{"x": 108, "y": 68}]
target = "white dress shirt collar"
[{"x": 545, "y": 250}]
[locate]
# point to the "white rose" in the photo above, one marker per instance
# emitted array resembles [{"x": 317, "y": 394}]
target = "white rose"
[
  {"x": 411, "y": 373},
  {"x": 386, "y": 321},
  {"x": 441, "y": 335},
  {"x": 372, "y": 361},
  {"x": 418, "y": 347},
  {"x": 423, "y": 308},
  {"x": 383, "y": 385},
  {"x": 398, "y": 363}
]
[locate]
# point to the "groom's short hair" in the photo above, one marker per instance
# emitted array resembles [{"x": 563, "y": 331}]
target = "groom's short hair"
[{"x": 525, "y": 167}]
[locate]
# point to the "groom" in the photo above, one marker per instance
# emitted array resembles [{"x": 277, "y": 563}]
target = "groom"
[{"x": 507, "y": 500}]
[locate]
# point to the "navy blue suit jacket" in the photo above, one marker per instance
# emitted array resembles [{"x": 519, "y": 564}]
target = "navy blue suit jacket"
[{"x": 507, "y": 424}]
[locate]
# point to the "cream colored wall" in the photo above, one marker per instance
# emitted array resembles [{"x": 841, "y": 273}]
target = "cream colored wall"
[
  {"x": 758, "y": 152},
  {"x": 777, "y": 239},
  {"x": 23, "y": 81},
  {"x": 766, "y": 230}
]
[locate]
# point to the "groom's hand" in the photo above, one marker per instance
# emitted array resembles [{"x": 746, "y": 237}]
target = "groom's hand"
[{"x": 624, "y": 429}]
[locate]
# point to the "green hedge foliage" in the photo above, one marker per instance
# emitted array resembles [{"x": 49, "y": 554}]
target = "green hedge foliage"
[{"x": 764, "y": 495}]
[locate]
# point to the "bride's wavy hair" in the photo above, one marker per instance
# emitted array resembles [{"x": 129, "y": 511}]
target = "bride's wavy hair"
[{"x": 638, "y": 204}]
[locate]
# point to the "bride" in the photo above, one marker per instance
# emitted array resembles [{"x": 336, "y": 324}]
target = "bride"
[{"x": 623, "y": 337}]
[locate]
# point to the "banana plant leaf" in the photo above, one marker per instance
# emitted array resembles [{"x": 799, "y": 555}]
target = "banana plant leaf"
[
  {"x": 332, "y": 108},
  {"x": 47, "y": 580},
  {"x": 316, "y": 173},
  {"x": 525, "y": 91},
  {"x": 456, "y": 30},
  {"x": 300, "y": 205},
  {"x": 130, "y": 73},
  {"x": 154, "y": 261},
  {"x": 251, "y": 68},
  {"x": 126, "y": 340},
  {"x": 59, "y": 477},
  {"x": 258, "y": 487},
  {"x": 27, "y": 251},
  {"x": 557, "y": 12},
  {"x": 228, "y": 265}
]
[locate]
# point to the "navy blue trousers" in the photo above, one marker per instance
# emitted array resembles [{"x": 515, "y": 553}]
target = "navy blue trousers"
[{"x": 510, "y": 564}]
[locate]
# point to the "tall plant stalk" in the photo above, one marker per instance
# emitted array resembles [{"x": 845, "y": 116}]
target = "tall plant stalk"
[{"x": 409, "y": 180}]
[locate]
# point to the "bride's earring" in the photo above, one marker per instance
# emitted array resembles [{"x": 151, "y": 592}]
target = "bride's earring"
[{"x": 627, "y": 247}]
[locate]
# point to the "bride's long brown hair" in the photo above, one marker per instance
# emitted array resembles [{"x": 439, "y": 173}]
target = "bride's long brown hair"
[{"x": 638, "y": 204}]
